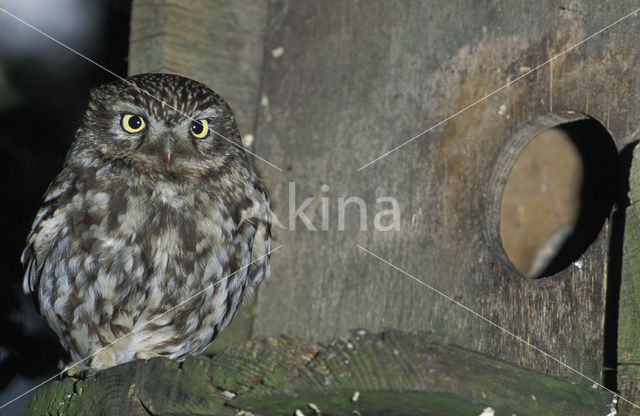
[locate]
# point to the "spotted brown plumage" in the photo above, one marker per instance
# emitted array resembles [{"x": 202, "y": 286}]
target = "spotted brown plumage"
[{"x": 150, "y": 208}]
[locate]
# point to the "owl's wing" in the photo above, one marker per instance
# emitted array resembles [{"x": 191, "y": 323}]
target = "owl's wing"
[
  {"x": 259, "y": 215},
  {"x": 46, "y": 229}
]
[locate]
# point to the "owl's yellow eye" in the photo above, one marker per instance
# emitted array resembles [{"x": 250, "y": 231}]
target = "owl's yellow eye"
[
  {"x": 132, "y": 123},
  {"x": 200, "y": 129}
]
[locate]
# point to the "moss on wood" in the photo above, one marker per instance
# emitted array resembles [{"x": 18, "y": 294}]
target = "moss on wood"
[{"x": 393, "y": 373}]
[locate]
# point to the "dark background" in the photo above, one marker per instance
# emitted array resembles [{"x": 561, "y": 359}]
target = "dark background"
[{"x": 44, "y": 89}]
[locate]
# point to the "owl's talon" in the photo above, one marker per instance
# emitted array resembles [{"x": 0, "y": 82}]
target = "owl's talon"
[{"x": 78, "y": 371}]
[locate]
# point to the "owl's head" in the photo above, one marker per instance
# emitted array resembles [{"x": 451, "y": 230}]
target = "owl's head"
[{"x": 160, "y": 125}]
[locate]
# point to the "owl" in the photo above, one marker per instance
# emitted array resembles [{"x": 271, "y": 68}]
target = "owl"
[{"x": 154, "y": 231}]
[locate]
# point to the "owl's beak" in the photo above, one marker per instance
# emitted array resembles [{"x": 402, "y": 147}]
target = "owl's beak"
[
  {"x": 168, "y": 152},
  {"x": 168, "y": 160}
]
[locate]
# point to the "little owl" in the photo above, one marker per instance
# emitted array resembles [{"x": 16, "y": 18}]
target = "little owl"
[{"x": 156, "y": 228}]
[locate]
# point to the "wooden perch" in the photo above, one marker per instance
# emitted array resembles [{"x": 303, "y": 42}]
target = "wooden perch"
[{"x": 396, "y": 372}]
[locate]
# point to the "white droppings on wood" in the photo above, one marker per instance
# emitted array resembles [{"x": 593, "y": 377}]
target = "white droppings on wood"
[
  {"x": 228, "y": 394},
  {"x": 356, "y": 396},
  {"x": 277, "y": 52},
  {"x": 487, "y": 411},
  {"x": 247, "y": 140},
  {"x": 315, "y": 408}
]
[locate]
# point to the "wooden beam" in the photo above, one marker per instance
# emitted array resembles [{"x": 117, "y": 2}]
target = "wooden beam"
[{"x": 371, "y": 374}]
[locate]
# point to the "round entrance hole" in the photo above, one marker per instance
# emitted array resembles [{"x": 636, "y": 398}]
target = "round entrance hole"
[{"x": 553, "y": 189}]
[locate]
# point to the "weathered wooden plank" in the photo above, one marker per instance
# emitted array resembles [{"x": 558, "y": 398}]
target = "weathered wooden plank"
[
  {"x": 629, "y": 386},
  {"x": 357, "y": 79},
  {"x": 629, "y": 305},
  {"x": 274, "y": 376}
]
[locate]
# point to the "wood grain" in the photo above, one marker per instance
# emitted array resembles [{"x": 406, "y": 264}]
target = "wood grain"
[
  {"x": 392, "y": 373},
  {"x": 354, "y": 82},
  {"x": 629, "y": 309}
]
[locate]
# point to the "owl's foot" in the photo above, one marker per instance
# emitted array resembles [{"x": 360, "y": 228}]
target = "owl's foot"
[
  {"x": 78, "y": 371},
  {"x": 103, "y": 358}
]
